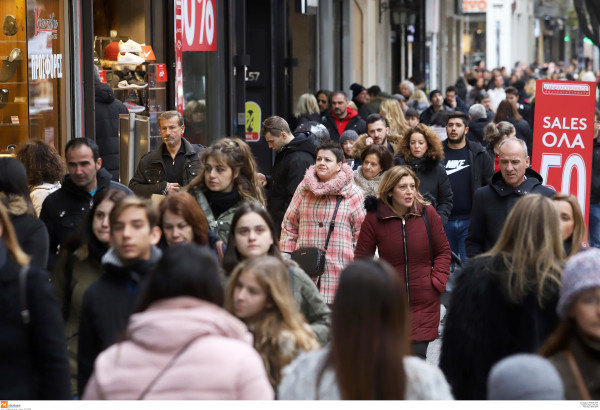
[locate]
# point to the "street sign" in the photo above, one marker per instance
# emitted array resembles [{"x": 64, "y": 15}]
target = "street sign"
[
  {"x": 563, "y": 137},
  {"x": 253, "y": 121}
]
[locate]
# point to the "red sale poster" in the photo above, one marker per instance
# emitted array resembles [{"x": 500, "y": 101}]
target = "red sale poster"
[{"x": 563, "y": 137}]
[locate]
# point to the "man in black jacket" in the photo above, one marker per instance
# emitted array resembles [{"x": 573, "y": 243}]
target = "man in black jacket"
[
  {"x": 295, "y": 153},
  {"x": 64, "y": 209},
  {"x": 172, "y": 165},
  {"x": 492, "y": 203},
  {"x": 110, "y": 300},
  {"x": 106, "y": 113},
  {"x": 469, "y": 167},
  {"x": 437, "y": 104},
  {"x": 342, "y": 117},
  {"x": 479, "y": 120}
]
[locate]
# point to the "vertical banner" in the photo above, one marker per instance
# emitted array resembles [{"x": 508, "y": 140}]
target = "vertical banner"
[
  {"x": 179, "y": 56},
  {"x": 563, "y": 137}
]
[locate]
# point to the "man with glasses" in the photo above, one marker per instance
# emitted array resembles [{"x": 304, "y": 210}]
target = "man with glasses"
[
  {"x": 295, "y": 153},
  {"x": 172, "y": 165}
]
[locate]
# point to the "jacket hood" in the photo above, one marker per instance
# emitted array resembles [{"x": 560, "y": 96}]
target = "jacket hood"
[
  {"x": 360, "y": 144},
  {"x": 301, "y": 142},
  {"x": 103, "y": 93},
  {"x": 170, "y": 323},
  {"x": 351, "y": 114},
  {"x": 533, "y": 179},
  {"x": 340, "y": 185}
]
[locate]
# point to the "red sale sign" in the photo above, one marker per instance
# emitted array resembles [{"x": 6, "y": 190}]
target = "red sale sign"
[
  {"x": 563, "y": 137},
  {"x": 199, "y": 25}
]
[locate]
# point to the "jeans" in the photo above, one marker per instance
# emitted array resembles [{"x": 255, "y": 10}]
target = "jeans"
[
  {"x": 456, "y": 232},
  {"x": 594, "y": 235}
]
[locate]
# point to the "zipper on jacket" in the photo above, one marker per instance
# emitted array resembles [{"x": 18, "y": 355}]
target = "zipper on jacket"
[{"x": 405, "y": 259}]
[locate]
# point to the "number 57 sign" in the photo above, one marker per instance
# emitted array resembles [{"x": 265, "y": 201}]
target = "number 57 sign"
[{"x": 563, "y": 137}]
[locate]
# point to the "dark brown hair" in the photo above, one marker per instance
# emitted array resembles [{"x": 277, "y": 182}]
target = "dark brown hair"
[
  {"x": 435, "y": 150},
  {"x": 184, "y": 205},
  {"x": 506, "y": 111},
  {"x": 42, "y": 162},
  {"x": 386, "y": 160},
  {"x": 370, "y": 339}
]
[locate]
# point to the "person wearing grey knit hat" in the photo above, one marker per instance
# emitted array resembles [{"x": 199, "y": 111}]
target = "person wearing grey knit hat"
[
  {"x": 524, "y": 377},
  {"x": 347, "y": 141},
  {"x": 574, "y": 348}
]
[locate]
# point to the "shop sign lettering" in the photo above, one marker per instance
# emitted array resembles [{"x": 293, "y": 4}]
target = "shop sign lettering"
[
  {"x": 475, "y": 6},
  {"x": 46, "y": 66},
  {"x": 199, "y": 25},
  {"x": 49, "y": 25},
  {"x": 563, "y": 138}
]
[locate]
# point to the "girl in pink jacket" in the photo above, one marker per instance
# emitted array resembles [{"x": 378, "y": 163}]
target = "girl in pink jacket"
[{"x": 181, "y": 344}]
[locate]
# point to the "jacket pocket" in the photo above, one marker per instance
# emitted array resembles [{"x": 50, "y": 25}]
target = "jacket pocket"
[{"x": 154, "y": 175}]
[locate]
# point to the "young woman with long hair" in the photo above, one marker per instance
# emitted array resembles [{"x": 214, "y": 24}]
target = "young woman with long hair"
[
  {"x": 259, "y": 294},
  {"x": 33, "y": 352},
  {"x": 369, "y": 354},
  {"x": 422, "y": 151},
  {"x": 307, "y": 109},
  {"x": 391, "y": 110},
  {"x": 572, "y": 225},
  {"x": 79, "y": 264},
  {"x": 179, "y": 343},
  {"x": 575, "y": 345},
  {"x": 504, "y": 301},
  {"x": 494, "y": 134},
  {"x": 252, "y": 234},
  {"x": 409, "y": 235},
  {"x": 227, "y": 179},
  {"x": 182, "y": 220},
  {"x": 509, "y": 112}
]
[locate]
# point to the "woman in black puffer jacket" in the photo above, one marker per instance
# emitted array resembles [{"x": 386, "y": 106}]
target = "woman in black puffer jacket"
[{"x": 422, "y": 150}]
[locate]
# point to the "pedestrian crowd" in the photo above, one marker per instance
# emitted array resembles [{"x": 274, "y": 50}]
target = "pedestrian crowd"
[{"x": 387, "y": 221}]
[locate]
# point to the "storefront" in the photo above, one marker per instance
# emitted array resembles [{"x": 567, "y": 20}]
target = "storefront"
[{"x": 34, "y": 73}]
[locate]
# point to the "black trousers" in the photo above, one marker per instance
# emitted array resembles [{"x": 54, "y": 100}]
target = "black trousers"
[{"x": 419, "y": 349}]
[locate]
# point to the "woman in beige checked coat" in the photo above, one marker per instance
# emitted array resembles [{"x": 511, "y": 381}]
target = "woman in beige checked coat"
[{"x": 306, "y": 222}]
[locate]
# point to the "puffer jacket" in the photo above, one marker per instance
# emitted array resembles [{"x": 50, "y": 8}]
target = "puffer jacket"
[
  {"x": 435, "y": 184},
  {"x": 385, "y": 230},
  {"x": 192, "y": 349},
  {"x": 306, "y": 223},
  {"x": 221, "y": 225}
]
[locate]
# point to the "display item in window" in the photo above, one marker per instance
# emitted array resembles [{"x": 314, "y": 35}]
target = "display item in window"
[
  {"x": 129, "y": 46},
  {"x": 3, "y": 97},
  {"x": 10, "y": 27},
  {"x": 9, "y": 65},
  {"x": 129, "y": 58}
]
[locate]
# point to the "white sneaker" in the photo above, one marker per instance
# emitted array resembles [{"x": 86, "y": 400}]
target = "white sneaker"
[
  {"x": 123, "y": 84},
  {"x": 129, "y": 46},
  {"x": 129, "y": 58}
]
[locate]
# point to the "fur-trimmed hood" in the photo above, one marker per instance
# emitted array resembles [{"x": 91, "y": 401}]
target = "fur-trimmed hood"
[
  {"x": 340, "y": 185},
  {"x": 15, "y": 204},
  {"x": 361, "y": 143}
]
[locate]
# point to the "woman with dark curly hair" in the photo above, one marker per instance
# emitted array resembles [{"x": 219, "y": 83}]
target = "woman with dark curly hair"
[
  {"x": 422, "y": 150},
  {"x": 45, "y": 169}
]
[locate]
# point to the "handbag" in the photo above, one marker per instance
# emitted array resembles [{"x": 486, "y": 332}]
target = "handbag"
[{"x": 312, "y": 260}]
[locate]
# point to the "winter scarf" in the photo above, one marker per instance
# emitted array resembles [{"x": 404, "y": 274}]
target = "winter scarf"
[
  {"x": 367, "y": 186},
  {"x": 334, "y": 186}
]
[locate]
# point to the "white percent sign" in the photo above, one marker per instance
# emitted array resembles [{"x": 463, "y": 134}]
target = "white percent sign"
[{"x": 207, "y": 20}]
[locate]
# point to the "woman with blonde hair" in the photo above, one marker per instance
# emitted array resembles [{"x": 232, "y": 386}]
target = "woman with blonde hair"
[
  {"x": 504, "y": 302},
  {"x": 418, "y": 100},
  {"x": 409, "y": 235},
  {"x": 259, "y": 293},
  {"x": 33, "y": 351},
  {"x": 572, "y": 224},
  {"x": 228, "y": 178},
  {"x": 307, "y": 109},
  {"x": 422, "y": 150},
  {"x": 390, "y": 109}
]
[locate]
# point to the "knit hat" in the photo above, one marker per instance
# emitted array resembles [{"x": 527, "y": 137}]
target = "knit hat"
[
  {"x": 398, "y": 97},
  {"x": 581, "y": 273},
  {"x": 434, "y": 92},
  {"x": 356, "y": 89},
  {"x": 111, "y": 51},
  {"x": 411, "y": 112},
  {"x": 524, "y": 377},
  {"x": 348, "y": 135}
]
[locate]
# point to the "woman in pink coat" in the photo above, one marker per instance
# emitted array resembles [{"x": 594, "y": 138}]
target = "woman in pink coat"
[
  {"x": 181, "y": 344},
  {"x": 306, "y": 222}
]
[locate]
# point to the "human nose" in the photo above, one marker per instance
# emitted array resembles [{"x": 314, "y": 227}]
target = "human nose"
[{"x": 104, "y": 223}]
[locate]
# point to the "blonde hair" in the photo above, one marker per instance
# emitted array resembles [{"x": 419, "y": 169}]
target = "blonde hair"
[
  {"x": 307, "y": 104},
  {"x": 282, "y": 319},
  {"x": 579, "y": 232},
  {"x": 10, "y": 238},
  {"x": 236, "y": 154},
  {"x": 419, "y": 96},
  {"x": 390, "y": 109},
  {"x": 390, "y": 179},
  {"x": 531, "y": 247}
]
